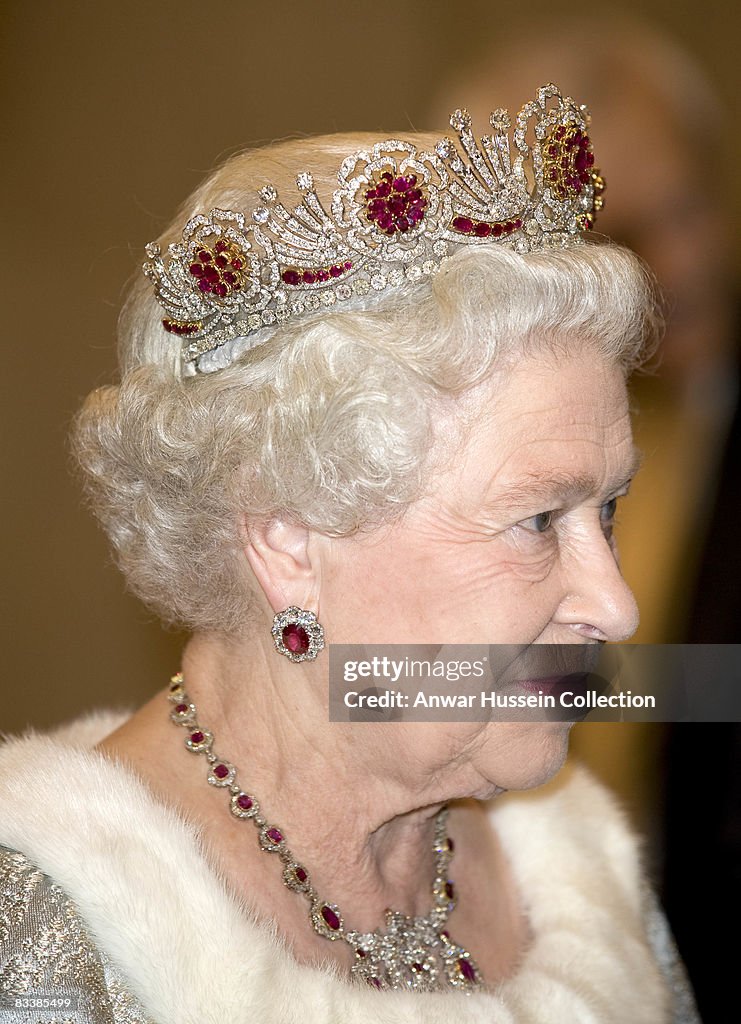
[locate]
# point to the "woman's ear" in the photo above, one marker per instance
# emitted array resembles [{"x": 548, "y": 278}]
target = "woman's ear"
[{"x": 283, "y": 561}]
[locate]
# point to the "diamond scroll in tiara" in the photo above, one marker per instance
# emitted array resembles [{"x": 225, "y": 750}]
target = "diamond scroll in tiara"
[{"x": 396, "y": 215}]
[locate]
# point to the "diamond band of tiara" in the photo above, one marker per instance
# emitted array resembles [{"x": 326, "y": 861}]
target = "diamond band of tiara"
[{"x": 396, "y": 215}]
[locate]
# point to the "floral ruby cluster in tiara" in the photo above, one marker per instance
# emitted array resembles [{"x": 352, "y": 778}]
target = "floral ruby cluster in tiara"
[
  {"x": 395, "y": 204},
  {"x": 396, "y": 215}
]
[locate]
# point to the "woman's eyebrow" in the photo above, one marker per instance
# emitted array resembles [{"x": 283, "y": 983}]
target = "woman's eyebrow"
[{"x": 555, "y": 487}]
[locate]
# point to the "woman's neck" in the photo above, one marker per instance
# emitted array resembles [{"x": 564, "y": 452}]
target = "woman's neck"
[
  {"x": 356, "y": 815},
  {"x": 362, "y": 824}
]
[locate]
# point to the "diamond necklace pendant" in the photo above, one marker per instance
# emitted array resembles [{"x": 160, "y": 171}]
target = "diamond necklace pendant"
[{"x": 414, "y": 953}]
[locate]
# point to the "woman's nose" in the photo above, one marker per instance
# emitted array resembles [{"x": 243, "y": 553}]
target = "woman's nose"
[{"x": 597, "y": 603}]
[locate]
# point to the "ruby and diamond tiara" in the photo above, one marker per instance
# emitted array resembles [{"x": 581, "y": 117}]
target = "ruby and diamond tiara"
[{"x": 396, "y": 215}]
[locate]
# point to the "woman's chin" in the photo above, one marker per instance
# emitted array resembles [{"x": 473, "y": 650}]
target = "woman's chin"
[{"x": 534, "y": 756}]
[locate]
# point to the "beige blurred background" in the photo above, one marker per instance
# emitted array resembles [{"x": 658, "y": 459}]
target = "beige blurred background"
[{"x": 112, "y": 113}]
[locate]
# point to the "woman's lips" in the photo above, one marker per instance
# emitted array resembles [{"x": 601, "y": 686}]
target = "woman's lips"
[{"x": 554, "y": 685}]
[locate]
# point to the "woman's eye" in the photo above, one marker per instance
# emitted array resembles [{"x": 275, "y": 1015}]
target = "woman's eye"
[
  {"x": 607, "y": 517},
  {"x": 543, "y": 521},
  {"x": 540, "y": 523},
  {"x": 607, "y": 512}
]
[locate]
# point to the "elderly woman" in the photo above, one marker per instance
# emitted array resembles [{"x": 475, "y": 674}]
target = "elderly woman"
[{"x": 389, "y": 409}]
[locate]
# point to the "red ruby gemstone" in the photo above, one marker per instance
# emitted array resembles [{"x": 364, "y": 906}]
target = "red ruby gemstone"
[
  {"x": 383, "y": 189},
  {"x": 387, "y": 176},
  {"x": 361, "y": 953},
  {"x": 211, "y": 273},
  {"x": 347, "y": 265},
  {"x": 180, "y": 329},
  {"x": 295, "y": 638},
  {"x": 229, "y": 277},
  {"x": 221, "y": 771},
  {"x": 331, "y": 918},
  {"x": 290, "y": 276},
  {"x": 518, "y": 224},
  {"x": 221, "y": 262},
  {"x": 244, "y": 801},
  {"x": 560, "y": 131},
  {"x": 274, "y": 835},
  {"x": 496, "y": 230},
  {"x": 464, "y": 966},
  {"x": 300, "y": 875},
  {"x": 309, "y": 277},
  {"x": 482, "y": 230},
  {"x": 237, "y": 263},
  {"x": 445, "y": 934},
  {"x": 221, "y": 290},
  {"x": 552, "y": 150},
  {"x": 415, "y": 213},
  {"x": 463, "y": 224},
  {"x": 401, "y": 184},
  {"x": 196, "y": 269},
  {"x": 204, "y": 285},
  {"x": 581, "y": 160},
  {"x": 181, "y": 708},
  {"x": 220, "y": 245},
  {"x": 553, "y": 174},
  {"x": 402, "y": 224},
  {"x": 335, "y": 271},
  {"x": 449, "y": 890},
  {"x": 197, "y": 737},
  {"x": 371, "y": 193},
  {"x": 205, "y": 256},
  {"x": 397, "y": 204},
  {"x": 323, "y": 275}
]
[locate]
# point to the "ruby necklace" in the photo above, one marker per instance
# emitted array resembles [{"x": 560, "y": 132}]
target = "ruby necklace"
[{"x": 414, "y": 953}]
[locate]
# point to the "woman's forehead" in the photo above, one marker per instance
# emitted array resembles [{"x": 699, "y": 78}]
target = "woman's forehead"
[{"x": 567, "y": 432}]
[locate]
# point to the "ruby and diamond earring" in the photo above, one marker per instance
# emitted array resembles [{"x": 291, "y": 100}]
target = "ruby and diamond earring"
[{"x": 297, "y": 634}]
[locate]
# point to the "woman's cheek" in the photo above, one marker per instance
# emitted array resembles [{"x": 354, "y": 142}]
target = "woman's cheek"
[{"x": 527, "y": 557}]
